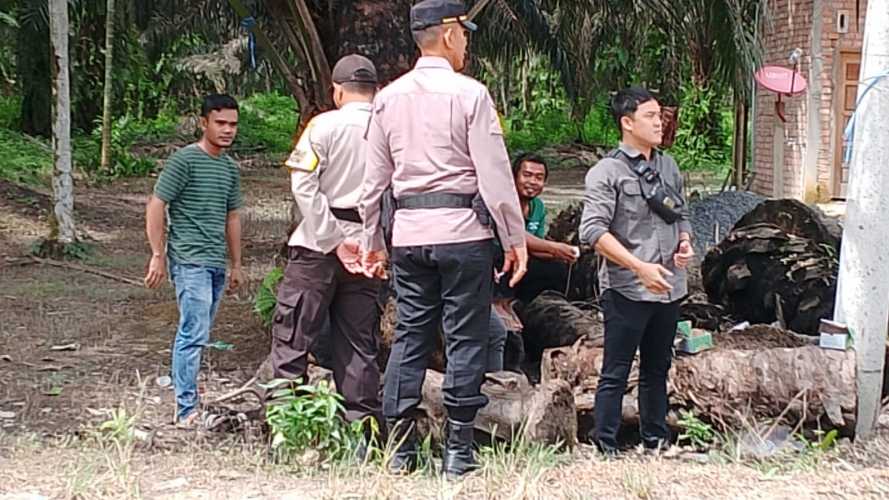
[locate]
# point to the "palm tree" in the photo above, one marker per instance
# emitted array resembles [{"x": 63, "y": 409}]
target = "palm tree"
[
  {"x": 592, "y": 46},
  {"x": 62, "y": 220}
]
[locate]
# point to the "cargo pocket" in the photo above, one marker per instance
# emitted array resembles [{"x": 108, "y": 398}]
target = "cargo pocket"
[{"x": 284, "y": 320}]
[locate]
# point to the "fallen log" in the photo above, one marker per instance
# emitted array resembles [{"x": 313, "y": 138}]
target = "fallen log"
[
  {"x": 727, "y": 384},
  {"x": 756, "y": 373},
  {"x": 544, "y": 413},
  {"x": 551, "y": 320}
]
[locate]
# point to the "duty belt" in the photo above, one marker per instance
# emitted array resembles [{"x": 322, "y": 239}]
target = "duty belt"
[{"x": 435, "y": 200}]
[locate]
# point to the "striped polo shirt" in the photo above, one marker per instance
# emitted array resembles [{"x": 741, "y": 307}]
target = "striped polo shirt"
[{"x": 200, "y": 190}]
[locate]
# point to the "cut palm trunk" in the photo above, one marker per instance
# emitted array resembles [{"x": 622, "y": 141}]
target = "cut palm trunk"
[
  {"x": 762, "y": 274},
  {"x": 544, "y": 413},
  {"x": 760, "y": 373}
]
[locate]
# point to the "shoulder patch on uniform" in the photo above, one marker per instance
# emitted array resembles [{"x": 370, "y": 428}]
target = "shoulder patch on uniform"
[
  {"x": 497, "y": 125},
  {"x": 303, "y": 157}
]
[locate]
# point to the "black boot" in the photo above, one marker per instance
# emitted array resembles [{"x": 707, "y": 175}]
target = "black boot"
[
  {"x": 459, "y": 458},
  {"x": 369, "y": 441},
  {"x": 403, "y": 438}
]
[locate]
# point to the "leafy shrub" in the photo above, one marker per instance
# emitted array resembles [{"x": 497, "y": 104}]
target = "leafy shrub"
[
  {"x": 553, "y": 124},
  {"x": 704, "y": 136},
  {"x": 10, "y": 109},
  {"x": 267, "y": 121},
  {"x": 309, "y": 417},
  {"x": 266, "y": 297}
]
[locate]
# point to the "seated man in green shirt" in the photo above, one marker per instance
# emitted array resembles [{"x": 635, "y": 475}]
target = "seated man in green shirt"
[
  {"x": 547, "y": 266},
  {"x": 550, "y": 259},
  {"x": 530, "y": 173}
]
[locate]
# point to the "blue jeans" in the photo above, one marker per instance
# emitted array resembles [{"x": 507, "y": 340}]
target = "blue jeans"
[{"x": 198, "y": 290}]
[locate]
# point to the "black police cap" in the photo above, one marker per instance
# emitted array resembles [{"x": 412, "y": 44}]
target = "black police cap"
[{"x": 436, "y": 12}]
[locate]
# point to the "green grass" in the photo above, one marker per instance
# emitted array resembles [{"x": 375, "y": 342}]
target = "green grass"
[
  {"x": 26, "y": 160},
  {"x": 267, "y": 124}
]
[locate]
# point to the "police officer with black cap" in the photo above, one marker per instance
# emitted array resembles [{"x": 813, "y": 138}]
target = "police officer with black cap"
[
  {"x": 435, "y": 139},
  {"x": 326, "y": 170}
]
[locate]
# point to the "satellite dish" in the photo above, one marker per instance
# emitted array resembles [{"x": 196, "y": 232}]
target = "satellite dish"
[{"x": 783, "y": 81}]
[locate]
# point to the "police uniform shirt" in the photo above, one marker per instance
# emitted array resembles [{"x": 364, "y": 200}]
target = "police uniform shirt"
[
  {"x": 326, "y": 170},
  {"x": 436, "y": 130}
]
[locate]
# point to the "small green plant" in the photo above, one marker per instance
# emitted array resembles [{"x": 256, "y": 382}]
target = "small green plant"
[
  {"x": 120, "y": 427},
  {"x": 77, "y": 250},
  {"x": 823, "y": 442},
  {"x": 306, "y": 418},
  {"x": 266, "y": 297},
  {"x": 694, "y": 431}
]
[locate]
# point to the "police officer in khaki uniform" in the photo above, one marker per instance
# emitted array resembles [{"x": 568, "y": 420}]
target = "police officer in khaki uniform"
[
  {"x": 326, "y": 170},
  {"x": 435, "y": 139}
]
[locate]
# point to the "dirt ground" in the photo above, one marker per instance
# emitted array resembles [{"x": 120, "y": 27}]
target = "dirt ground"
[{"x": 76, "y": 346}]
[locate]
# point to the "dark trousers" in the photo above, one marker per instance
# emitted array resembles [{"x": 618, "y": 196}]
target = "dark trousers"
[
  {"x": 316, "y": 288},
  {"x": 447, "y": 285},
  {"x": 630, "y": 325},
  {"x": 542, "y": 275}
]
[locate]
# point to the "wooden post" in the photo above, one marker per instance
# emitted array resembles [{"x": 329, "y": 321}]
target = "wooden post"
[{"x": 863, "y": 289}]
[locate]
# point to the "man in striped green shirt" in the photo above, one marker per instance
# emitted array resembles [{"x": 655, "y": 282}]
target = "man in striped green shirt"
[{"x": 200, "y": 190}]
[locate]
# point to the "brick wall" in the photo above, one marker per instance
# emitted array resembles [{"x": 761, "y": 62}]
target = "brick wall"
[{"x": 790, "y": 26}]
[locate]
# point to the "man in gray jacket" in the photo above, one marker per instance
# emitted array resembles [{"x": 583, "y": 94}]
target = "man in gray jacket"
[{"x": 635, "y": 217}]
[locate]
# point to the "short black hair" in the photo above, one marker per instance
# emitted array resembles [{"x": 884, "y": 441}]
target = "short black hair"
[
  {"x": 218, "y": 102},
  {"x": 627, "y": 101},
  {"x": 365, "y": 89},
  {"x": 533, "y": 158}
]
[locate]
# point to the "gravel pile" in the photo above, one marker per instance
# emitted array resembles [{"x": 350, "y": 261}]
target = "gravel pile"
[{"x": 723, "y": 208}]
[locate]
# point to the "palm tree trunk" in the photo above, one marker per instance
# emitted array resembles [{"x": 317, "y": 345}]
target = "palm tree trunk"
[
  {"x": 315, "y": 53},
  {"x": 106, "y": 100},
  {"x": 62, "y": 218},
  {"x": 526, "y": 85},
  {"x": 307, "y": 108}
]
